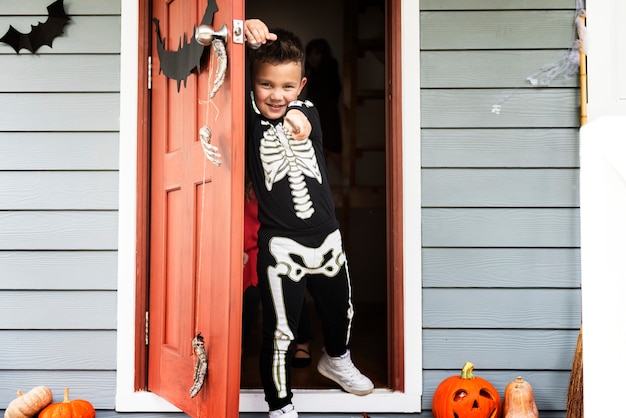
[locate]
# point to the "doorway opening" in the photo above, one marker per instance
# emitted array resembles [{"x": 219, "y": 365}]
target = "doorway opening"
[{"x": 355, "y": 31}]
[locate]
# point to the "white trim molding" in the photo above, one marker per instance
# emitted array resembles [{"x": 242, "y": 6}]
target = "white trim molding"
[
  {"x": 603, "y": 261},
  {"x": 129, "y": 400}
]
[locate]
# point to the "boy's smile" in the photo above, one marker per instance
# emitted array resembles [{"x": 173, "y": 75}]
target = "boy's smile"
[{"x": 275, "y": 86}]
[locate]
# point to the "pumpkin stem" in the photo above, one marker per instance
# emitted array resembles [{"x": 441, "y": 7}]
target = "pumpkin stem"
[
  {"x": 66, "y": 395},
  {"x": 19, "y": 393},
  {"x": 466, "y": 372}
]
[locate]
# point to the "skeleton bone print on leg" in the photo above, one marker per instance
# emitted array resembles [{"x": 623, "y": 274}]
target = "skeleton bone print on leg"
[
  {"x": 327, "y": 259},
  {"x": 282, "y": 156}
]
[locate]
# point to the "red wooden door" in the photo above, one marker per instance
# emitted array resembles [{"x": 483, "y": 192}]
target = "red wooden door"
[{"x": 196, "y": 217}]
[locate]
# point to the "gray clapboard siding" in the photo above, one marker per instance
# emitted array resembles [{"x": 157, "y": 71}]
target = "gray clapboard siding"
[
  {"x": 501, "y": 267},
  {"x": 83, "y": 35},
  {"x": 60, "y": 111},
  {"x": 487, "y": 69},
  {"x": 500, "y": 148},
  {"x": 58, "y": 230},
  {"x": 63, "y": 73},
  {"x": 58, "y": 270},
  {"x": 500, "y": 187},
  {"x": 51, "y": 350},
  {"x": 496, "y": 4},
  {"x": 59, "y": 157},
  {"x": 516, "y": 350},
  {"x": 62, "y": 310},
  {"x": 470, "y": 30},
  {"x": 502, "y": 308},
  {"x": 97, "y": 386},
  {"x": 483, "y": 227},
  {"x": 72, "y": 7},
  {"x": 550, "y": 387},
  {"x": 59, "y": 150},
  {"x": 500, "y": 217},
  {"x": 56, "y": 190},
  {"x": 519, "y": 108}
]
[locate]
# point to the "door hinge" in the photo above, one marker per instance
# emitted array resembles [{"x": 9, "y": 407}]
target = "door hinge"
[
  {"x": 147, "y": 328},
  {"x": 149, "y": 72}
]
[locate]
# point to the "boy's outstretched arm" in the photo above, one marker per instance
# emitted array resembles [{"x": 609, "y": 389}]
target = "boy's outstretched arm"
[
  {"x": 257, "y": 32},
  {"x": 298, "y": 124}
]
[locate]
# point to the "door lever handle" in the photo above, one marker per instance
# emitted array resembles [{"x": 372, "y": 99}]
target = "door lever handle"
[{"x": 205, "y": 34}]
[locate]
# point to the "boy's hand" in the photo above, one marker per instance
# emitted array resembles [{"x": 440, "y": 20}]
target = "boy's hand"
[
  {"x": 297, "y": 124},
  {"x": 257, "y": 33}
]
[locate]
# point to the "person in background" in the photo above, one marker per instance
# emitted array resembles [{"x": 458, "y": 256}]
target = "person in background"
[{"x": 323, "y": 88}]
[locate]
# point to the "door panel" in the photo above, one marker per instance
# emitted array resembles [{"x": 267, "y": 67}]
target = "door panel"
[{"x": 196, "y": 218}]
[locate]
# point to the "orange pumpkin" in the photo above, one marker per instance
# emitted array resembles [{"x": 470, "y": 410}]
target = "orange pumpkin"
[
  {"x": 27, "y": 405},
  {"x": 466, "y": 396},
  {"x": 77, "y": 408},
  {"x": 519, "y": 401}
]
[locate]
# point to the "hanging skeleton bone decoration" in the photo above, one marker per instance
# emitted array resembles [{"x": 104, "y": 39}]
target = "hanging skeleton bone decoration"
[
  {"x": 211, "y": 151},
  {"x": 222, "y": 63},
  {"x": 205, "y": 35},
  {"x": 202, "y": 365}
]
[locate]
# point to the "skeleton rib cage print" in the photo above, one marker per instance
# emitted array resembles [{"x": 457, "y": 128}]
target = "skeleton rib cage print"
[{"x": 283, "y": 156}]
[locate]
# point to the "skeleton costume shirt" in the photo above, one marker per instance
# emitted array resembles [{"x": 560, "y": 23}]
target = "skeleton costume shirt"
[
  {"x": 300, "y": 245},
  {"x": 285, "y": 170}
]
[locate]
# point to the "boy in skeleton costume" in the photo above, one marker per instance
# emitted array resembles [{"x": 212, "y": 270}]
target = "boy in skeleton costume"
[{"x": 300, "y": 244}]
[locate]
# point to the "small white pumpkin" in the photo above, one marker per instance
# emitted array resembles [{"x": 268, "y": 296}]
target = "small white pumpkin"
[{"x": 28, "y": 405}]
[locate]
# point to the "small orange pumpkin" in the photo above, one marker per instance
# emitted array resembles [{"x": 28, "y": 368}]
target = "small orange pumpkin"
[
  {"x": 466, "y": 396},
  {"x": 78, "y": 408},
  {"x": 29, "y": 404},
  {"x": 519, "y": 401}
]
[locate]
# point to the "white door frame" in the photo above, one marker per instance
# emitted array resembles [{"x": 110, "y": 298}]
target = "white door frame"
[{"x": 127, "y": 399}]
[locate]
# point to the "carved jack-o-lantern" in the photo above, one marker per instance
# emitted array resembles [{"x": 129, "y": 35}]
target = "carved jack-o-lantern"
[{"x": 466, "y": 396}]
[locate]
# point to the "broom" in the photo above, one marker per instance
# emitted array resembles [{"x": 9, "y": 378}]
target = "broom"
[
  {"x": 575, "y": 402},
  {"x": 575, "y": 389}
]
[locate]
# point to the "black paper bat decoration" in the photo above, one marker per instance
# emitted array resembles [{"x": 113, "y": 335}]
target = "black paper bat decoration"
[
  {"x": 179, "y": 64},
  {"x": 42, "y": 34}
]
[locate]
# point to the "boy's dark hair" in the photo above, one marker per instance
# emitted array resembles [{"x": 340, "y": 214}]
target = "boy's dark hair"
[{"x": 287, "y": 48}]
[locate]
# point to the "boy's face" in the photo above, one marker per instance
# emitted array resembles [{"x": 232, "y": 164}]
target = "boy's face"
[{"x": 275, "y": 86}]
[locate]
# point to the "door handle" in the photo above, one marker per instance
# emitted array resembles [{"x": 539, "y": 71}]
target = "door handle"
[{"x": 205, "y": 34}]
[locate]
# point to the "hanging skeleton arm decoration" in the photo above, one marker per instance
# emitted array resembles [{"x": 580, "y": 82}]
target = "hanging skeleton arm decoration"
[
  {"x": 205, "y": 35},
  {"x": 201, "y": 367}
]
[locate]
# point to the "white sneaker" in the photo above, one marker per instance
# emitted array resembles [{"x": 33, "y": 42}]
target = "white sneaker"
[
  {"x": 342, "y": 371},
  {"x": 287, "y": 411}
]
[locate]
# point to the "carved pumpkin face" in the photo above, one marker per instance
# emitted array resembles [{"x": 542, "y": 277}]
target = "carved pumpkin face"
[{"x": 466, "y": 396}]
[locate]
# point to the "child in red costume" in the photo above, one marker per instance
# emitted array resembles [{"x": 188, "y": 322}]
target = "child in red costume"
[
  {"x": 250, "y": 238},
  {"x": 251, "y": 250}
]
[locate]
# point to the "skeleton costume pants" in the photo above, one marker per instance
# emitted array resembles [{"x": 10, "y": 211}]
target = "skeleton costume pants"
[{"x": 287, "y": 266}]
